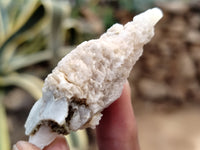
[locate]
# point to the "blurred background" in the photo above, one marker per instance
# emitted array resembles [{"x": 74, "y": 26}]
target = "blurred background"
[{"x": 165, "y": 82}]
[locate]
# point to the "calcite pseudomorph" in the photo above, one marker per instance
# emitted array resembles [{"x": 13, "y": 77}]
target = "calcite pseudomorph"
[{"x": 89, "y": 79}]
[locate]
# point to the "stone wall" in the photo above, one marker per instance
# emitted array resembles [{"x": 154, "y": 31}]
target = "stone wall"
[{"x": 169, "y": 70}]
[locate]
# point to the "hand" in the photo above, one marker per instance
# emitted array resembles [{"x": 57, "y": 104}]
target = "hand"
[{"x": 116, "y": 131}]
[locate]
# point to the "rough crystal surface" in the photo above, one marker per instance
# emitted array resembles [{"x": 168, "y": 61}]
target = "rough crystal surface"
[{"x": 91, "y": 77}]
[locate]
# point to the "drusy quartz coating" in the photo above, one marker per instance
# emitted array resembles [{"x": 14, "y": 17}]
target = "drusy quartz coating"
[{"x": 91, "y": 77}]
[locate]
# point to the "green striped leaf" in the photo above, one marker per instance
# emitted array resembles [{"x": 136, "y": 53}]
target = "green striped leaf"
[
  {"x": 29, "y": 83},
  {"x": 78, "y": 140},
  {"x": 4, "y": 134}
]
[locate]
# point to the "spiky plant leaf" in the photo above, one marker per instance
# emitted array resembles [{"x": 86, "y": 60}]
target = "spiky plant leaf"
[
  {"x": 30, "y": 23},
  {"x": 4, "y": 134},
  {"x": 30, "y": 83},
  {"x": 78, "y": 140},
  {"x": 14, "y": 14}
]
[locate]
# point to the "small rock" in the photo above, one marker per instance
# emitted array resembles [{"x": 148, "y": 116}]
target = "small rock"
[
  {"x": 193, "y": 37},
  {"x": 192, "y": 93},
  {"x": 194, "y": 20},
  {"x": 178, "y": 27},
  {"x": 175, "y": 7},
  {"x": 177, "y": 92},
  {"x": 195, "y": 53},
  {"x": 152, "y": 89},
  {"x": 195, "y": 6},
  {"x": 186, "y": 66}
]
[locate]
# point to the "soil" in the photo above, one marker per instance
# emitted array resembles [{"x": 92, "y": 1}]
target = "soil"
[{"x": 169, "y": 129}]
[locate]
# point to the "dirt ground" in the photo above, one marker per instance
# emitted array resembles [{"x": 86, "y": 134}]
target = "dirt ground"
[{"x": 175, "y": 129}]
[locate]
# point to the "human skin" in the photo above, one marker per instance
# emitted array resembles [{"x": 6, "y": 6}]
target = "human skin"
[{"x": 117, "y": 129}]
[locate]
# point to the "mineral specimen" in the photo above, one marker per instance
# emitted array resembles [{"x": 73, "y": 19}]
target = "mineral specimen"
[{"x": 89, "y": 79}]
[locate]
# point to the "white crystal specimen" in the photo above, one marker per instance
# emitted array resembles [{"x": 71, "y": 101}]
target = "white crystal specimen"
[
  {"x": 91, "y": 77},
  {"x": 43, "y": 137}
]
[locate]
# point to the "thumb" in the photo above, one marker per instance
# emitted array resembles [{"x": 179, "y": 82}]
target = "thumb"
[
  {"x": 22, "y": 145},
  {"x": 59, "y": 143}
]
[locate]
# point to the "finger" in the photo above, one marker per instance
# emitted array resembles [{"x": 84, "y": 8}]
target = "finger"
[
  {"x": 22, "y": 145},
  {"x": 117, "y": 129},
  {"x": 59, "y": 143}
]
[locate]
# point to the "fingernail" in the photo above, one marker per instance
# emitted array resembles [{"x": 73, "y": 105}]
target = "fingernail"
[
  {"x": 15, "y": 147},
  {"x": 23, "y": 145},
  {"x": 20, "y": 145}
]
